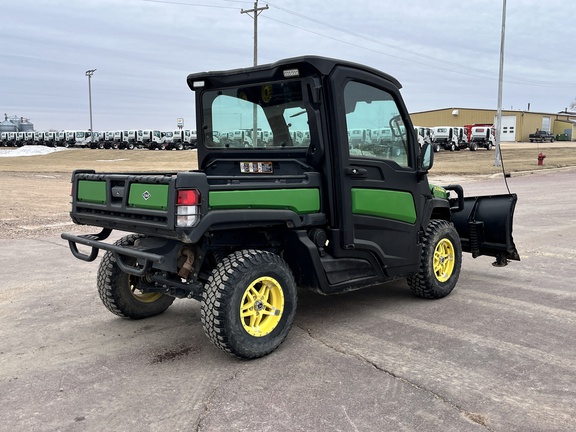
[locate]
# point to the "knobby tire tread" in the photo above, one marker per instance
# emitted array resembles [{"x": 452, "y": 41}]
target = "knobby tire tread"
[
  {"x": 107, "y": 282},
  {"x": 424, "y": 283},
  {"x": 217, "y": 300}
]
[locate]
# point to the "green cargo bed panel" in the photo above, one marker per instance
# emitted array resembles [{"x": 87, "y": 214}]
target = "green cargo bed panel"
[
  {"x": 303, "y": 200},
  {"x": 148, "y": 196},
  {"x": 91, "y": 191}
]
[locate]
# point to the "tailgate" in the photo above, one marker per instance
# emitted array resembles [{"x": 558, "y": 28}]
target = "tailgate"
[{"x": 140, "y": 203}]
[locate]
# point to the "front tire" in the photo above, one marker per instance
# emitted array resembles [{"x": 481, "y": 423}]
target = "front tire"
[
  {"x": 119, "y": 291},
  {"x": 249, "y": 303},
  {"x": 440, "y": 261}
]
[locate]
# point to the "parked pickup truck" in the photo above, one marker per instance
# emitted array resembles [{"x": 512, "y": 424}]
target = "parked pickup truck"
[{"x": 541, "y": 136}]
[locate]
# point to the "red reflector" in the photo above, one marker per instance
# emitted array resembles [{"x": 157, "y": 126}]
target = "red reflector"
[{"x": 188, "y": 197}]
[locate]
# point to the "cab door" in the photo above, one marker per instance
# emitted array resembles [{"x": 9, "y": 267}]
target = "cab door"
[{"x": 380, "y": 195}]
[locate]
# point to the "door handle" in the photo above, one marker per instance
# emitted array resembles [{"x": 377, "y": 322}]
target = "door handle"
[{"x": 355, "y": 172}]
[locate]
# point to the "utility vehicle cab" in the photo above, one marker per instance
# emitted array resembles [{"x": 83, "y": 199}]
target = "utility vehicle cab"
[{"x": 307, "y": 207}]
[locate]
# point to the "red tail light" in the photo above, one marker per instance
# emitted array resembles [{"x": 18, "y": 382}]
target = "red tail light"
[
  {"x": 187, "y": 208},
  {"x": 188, "y": 197}
]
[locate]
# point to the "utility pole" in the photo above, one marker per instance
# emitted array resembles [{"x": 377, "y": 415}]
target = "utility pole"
[
  {"x": 497, "y": 161},
  {"x": 89, "y": 74},
  {"x": 255, "y": 12}
]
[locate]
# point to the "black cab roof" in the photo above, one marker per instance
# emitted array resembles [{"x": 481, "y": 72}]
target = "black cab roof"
[{"x": 304, "y": 65}]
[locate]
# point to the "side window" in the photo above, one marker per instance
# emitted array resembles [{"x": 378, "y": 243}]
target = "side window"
[{"x": 375, "y": 128}]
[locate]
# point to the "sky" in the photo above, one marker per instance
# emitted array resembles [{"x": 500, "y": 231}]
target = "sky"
[{"x": 446, "y": 53}]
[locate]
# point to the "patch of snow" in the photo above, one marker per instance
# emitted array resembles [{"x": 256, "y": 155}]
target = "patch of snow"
[{"x": 30, "y": 150}]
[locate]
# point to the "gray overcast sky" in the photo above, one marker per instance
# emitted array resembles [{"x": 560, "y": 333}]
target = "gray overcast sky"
[{"x": 445, "y": 53}]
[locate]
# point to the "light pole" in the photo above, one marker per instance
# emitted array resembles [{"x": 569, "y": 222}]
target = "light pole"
[
  {"x": 89, "y": 74},
  {"x": 497, "y": 160}
]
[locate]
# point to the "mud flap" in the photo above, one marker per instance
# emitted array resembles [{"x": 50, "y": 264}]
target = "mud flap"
[{"x": 484, "y": 224}]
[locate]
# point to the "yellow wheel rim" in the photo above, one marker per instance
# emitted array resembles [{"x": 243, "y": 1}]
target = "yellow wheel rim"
[
  {"x": 143, "y": 297},
  {"x": 262, "y": 306},
  {"x": 444, "y": 260}
]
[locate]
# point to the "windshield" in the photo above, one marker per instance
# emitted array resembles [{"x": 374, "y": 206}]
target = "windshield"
[{"x": 269, "y": 115}]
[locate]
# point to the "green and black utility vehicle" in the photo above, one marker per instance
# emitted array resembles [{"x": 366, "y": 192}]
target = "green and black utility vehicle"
[{"x": 282, "y": 198}]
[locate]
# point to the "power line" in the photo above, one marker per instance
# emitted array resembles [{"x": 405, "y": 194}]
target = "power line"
[
  {"x": 453, "y": 67},
  {"x": 373, "y": 50},
  {"x": 189, "y": 4},
  {"x": 376, "y": 41},
  {"x": 493, "y": 75}
]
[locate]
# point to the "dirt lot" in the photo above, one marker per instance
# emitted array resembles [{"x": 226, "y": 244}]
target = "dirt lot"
[
  {"x": 35, "y": 189},
  {"x": 496, "y": 355}
]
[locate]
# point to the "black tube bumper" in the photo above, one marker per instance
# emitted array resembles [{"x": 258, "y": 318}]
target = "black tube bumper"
[{"x": 146, "y": 259}]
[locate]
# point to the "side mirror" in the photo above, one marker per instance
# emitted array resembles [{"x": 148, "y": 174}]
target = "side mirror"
[{"x": 426, "y": 159}]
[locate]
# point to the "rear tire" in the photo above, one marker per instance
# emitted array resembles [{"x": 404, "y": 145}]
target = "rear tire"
[
  {"x": 118, "y": 290},
  {"x": 440, "y": 261},
  {"x": 249, "y": 303}
]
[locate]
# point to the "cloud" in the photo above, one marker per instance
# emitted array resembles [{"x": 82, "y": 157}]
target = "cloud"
[{"x": 445, "y": 53}]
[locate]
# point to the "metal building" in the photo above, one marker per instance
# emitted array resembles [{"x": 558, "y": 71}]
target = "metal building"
[
  {"x": 515, "y": 126},
  {"x": 16, "y": 124},
  {"x": 8, "y": 126}
]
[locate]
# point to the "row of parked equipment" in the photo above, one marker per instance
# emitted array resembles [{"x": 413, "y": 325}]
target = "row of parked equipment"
[
  {"x": 178, "y": 139},
  {"x": 452, "y": 138}
]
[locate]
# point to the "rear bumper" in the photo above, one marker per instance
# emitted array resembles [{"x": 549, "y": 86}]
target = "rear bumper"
[{"x": 146, "y": 259}]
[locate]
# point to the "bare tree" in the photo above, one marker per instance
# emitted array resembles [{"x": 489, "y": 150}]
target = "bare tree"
[{"x": 573, "y": 104}]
